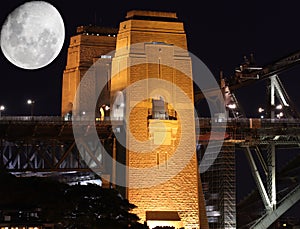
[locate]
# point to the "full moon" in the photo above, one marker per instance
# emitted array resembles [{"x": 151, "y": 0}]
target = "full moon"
[{"x": 33, "y": 35}]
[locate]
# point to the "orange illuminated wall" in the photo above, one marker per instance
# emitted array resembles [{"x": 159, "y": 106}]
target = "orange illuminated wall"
[
  {"x": 178, "y": 201},
  {"x": 85, "y": 48}
]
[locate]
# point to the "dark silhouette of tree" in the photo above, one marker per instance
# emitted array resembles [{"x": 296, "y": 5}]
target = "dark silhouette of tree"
[
  {"x": 90, "y": 206},
  {"x": 77, "y": 206}
]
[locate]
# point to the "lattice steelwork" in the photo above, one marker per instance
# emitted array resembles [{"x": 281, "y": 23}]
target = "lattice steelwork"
[
  {"x": 49, "y": 156},
  {"x": 252, "y": 135},
  {"x": 219, "y": 186},
  {"x": 46, "y": 144}
]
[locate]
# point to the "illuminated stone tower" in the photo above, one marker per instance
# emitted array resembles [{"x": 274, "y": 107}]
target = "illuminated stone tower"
[
  {"x": 89, "y": 44},
  {"x": 159, "y": 121}
]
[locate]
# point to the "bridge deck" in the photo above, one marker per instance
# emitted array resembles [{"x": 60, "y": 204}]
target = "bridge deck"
[{"x": 237, "y": 130}]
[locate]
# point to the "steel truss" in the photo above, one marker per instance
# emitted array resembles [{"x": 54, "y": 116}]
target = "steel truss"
[
  {"x": 260, "y": 138},
  {"x": 267, "y": 188},
  {"x": 46, "y": 145},
  {"x": 50, "y": 156}
]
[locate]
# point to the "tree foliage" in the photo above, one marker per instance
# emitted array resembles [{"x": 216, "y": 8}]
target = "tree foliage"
[
  {"x": 76, "y": 206},
  {"x": 91, "y": 207}
]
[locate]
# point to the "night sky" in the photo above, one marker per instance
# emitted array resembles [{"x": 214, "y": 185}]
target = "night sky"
[{"x": 220, "y": 33}]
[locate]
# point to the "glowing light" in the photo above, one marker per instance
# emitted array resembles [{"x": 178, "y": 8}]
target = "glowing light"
[
  {"x": 29, "y": 101},
  {"x": 161, "y": 223},
  {"x": 232, "y": 106},
  {"x": 2, "y": 108},
  {"x": 260, "y": 110},
  {"x": 279, "y": 107},
  {"x": 101, "y": 114},
  {"x": 280, "y": 115}
]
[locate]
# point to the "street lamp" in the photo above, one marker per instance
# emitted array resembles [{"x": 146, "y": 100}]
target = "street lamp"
[
  {"x": 31, "y": 103},
  {"x": 2, "y": 108},
  {"x": 260, "y": 110}
]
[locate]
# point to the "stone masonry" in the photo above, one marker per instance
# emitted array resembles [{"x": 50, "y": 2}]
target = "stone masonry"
[
  {"x": 89, "y": 44},
  {"x": 152, "y": 45}
]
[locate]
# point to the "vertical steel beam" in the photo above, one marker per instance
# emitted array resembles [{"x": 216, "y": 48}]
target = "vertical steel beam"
[
  {"x": 271, "y": 177},
  {"x": 272, "y": 96}
]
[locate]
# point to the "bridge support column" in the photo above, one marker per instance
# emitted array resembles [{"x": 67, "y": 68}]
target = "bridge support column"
[{"x": 271, "y": 177}]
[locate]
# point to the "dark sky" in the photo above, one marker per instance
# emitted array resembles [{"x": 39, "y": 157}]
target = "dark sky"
[{"x": 219, "y": 32}]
